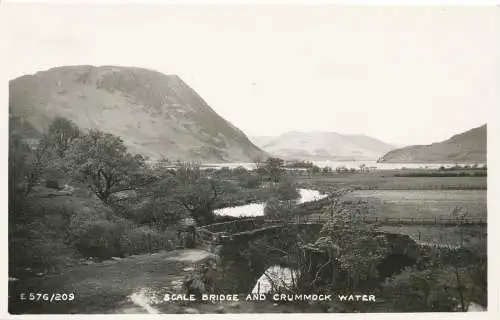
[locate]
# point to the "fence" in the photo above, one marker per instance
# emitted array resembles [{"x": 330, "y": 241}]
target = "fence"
[{"x": 386, "y": 220}]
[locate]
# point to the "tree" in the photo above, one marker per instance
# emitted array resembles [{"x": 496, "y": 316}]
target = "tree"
[
  {"x": 432, "y": 289},
  {"x": 25, "y": 165},
  {"x": 196, "y": 193},
  {"x": 249, "y": 180},
  {"x": 60, "y": 135},
  {"x": 286, "y": 190},
  {"x": 239, "y": 170},
  {"x": 258, "y": 162},
  {"x": 276, "y": 209},
  {"x": 314, "y": 169},
  {"x": 274, "y": 167},
  {"x": 102, "y": 162}
]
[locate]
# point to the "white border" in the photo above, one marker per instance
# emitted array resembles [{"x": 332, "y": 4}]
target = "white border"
[{"x": 493, "y": 176}]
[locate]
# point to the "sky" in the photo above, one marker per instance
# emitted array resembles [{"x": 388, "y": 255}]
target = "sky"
[{"x": 405, "y": 75}]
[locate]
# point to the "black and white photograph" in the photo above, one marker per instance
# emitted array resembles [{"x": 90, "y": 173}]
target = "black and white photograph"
[{"x": 250, "y": 158}]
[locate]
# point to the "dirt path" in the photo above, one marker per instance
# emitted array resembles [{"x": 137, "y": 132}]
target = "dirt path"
[{"x": 110, "y": 286}]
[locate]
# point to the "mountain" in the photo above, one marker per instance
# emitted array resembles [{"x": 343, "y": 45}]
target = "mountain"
[
  {"x": 321, "y": 145},
  {"x": 156, "y": 115},
  {"x": 467, "y": 147}
]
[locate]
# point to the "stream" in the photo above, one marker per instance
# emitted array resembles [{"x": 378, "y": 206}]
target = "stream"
[{"x": 257, "y": 209}]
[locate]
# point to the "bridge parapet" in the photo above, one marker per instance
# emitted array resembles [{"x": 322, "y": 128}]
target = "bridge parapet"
[{"x": 220, "y": 233}]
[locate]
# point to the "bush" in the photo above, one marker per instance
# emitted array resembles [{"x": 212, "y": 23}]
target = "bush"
[
  {"x": 428, "y": 290},
  {"x": 145, "y": 239},
  {"x": 249, "y": 181},
  {"x": 239, "y": 170},
  {"x": 286, "y": 190},
  {"x": 51, "y": 183},
  {"x": 276, "y": 209},
  {"x": 39, "y": 245},
  {"x": 97, "y": 238}
]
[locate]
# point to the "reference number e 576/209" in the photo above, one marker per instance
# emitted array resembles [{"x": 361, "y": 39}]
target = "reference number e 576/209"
[{"x": 48, "y": 297}]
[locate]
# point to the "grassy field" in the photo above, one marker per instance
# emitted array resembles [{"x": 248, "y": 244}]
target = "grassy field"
[
  {"x": 387, "y": 180},
  {"x": 385, "y": 195},
  {"x": 447, "y": 236},
  {"x": 422, "y": 203}
]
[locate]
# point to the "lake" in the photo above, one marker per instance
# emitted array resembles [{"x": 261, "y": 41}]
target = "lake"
[{"x": 349, "y": 164}]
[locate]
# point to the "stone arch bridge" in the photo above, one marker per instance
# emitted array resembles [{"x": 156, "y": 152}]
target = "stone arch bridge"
[{"x": 247, "y": 228}]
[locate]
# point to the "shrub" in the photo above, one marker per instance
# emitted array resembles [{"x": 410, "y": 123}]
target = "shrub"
[
  {"x": 51, "y": 183},
  {"x": 277, "y": 209},
  {"x": 39, "y": 245},
  {"x": 249, "y": 181},
  {"x": 239, "y": 170},
  {"x": 286, "y": 190},
  {"x": 96, "y": 238},
  {"x": 433, "y": 289},
  {"x": 314, "y": 169},
  {"x": 145, "y": 239}
]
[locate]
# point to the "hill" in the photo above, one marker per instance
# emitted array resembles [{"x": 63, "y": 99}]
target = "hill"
[
  {"x": 320, "y": 145},
  {"x": 156, "y": 115},
  {"x": 467, "y": 147}
]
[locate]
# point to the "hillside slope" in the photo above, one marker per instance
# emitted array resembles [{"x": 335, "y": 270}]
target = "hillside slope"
[
  {"x": 323, "y": 146},
  {"x": 467, "y": 147},
  {"x": 157, "y": 115}
]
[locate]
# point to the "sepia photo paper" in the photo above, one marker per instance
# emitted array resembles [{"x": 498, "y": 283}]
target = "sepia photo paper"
[{"x": 217, "y": 158}]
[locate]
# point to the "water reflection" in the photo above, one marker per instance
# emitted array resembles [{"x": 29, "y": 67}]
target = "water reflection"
[
  {"x": 275, "y": 277},
  {"x": 257, "y": 209}
]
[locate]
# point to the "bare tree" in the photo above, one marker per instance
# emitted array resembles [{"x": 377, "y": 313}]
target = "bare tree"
[{"x": 258, "y": 161}]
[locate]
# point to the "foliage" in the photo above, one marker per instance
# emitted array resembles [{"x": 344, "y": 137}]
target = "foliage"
[
  {"x": 274, "y": 168},
  {"x": 249, "y": 181},
  {"x": 94, "y": 235},
  {"x": 60, "y": 135},
  {"x": 314, "y": 169},
  {"x": 145, "y": 239},
  {"x": 239, "y": 170},
  {"x": 52, "y": 183},
  {"x": 102, "y": 162},
  {"x": 196, "y": 193},
  {"x": 300, "y": 164},
  {"x": 429, "y": 290},
  {"x": 26, "y": 166},
  {"x": 286, "y": 190},
  {"x": 276, "y": 209},
  {"x": 224, "y": 172},
  {"x": 360, "y": 250}
]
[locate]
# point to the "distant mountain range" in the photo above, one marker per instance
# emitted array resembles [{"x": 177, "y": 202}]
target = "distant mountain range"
[
  {"x": 320, "y": 145},
  {"x": 156, "y": 115},
  {"x": 467, "y": 147}
]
